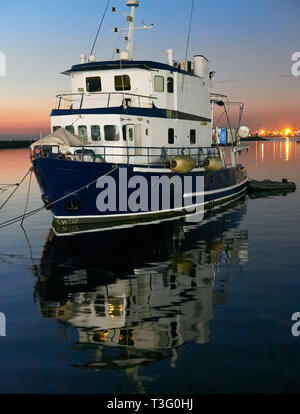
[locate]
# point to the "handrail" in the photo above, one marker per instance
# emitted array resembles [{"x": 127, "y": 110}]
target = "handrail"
[
  {"x": 79, "y": 97},
  {"x": 160, "y": 158},
  {"x": 105, "y": 93}
]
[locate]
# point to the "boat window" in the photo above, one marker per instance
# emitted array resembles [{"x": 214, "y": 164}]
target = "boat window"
[
  {"x": 122, "y": 83},
  {"x": 93, "y": 84},
  {"x": 111, "y": 133},
  {"x": 130, "y": 134},
  {"x": 159, "y": 84},
  {"x": 124, "y": 132},
  {"x": 82, "y": 131},
  {"x": 71, "y": 129},
  {"x": 95, "y": 133},
  {"x": 170, "y": 85},
  {"x": 55, "y": 128},
  {"x": 193, "y": 136},
  {"x": 171, "y": 136}
]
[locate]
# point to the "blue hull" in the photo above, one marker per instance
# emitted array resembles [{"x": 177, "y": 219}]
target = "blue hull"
[{"x": 61, "y": 179}]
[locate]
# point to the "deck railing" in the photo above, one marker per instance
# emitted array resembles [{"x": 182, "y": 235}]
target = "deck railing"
[
  {"x": 102, "y": 99},
  {"x": 143, "y": 156}
]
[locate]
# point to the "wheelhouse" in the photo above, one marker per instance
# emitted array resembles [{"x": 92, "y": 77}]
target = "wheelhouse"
[{"x": 136, "y": 103}]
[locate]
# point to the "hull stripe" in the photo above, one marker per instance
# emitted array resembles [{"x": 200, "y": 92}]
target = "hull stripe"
[
  {"x": 162, "y": 170},
  {"x": 140, "y": 112},
  {"x": 221, "y": 190}
]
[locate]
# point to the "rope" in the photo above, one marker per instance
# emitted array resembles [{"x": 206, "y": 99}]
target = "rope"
[
  {"x": 27, "y": 199},
  {"x": 116, "y": 47},
  {"x": 220, "y": 117},
  {"x": 31, "y": 213},
  {"x": 17, "y": 186},
  {"x": 229, "y": 124},
  {"x": 96, "y": 38},
  {"x": 7, "y": 187},
  {"x": 188, "y": 38}
]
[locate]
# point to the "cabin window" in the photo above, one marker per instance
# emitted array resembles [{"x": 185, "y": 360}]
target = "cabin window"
[
  {"x": 193, "y": 136},
  {"x": 124, "y": 132},
  {"x": 170, "y": 85},
  {"x": 93, "y": 84},
  {"x": 122, "y": 83},
  {"x": 171, "y": 136},
  {"x": 159, "y": 84},
  {"x": 82, "y": 131},
  {"x": 111, "y": 133},
  {"x": 71, "y": 129},
  {"x": 95, "y": 133},
  {"x": 55, "y": 128},
  {"x": 130, "y": 134}
]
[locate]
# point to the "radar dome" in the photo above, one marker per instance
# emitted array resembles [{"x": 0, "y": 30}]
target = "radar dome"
[
  {"x": 125, "y": 55},
  {"x": 132, "y": 3},
  {"x": 244, "y": 132}
]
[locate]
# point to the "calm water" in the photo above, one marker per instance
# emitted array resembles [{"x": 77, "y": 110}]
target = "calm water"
[{"x": 165, "y": 309}]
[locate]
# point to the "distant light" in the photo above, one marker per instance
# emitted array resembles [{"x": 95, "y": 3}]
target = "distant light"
[{"x": 287, "y": 132}]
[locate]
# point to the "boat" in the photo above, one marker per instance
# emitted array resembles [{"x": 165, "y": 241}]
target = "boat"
[
  {"x": 268, "y": 185},
  {"x": 134, "y": 141}
]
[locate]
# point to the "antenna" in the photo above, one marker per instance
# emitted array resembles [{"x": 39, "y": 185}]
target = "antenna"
[{"x": 129, "y": 32}]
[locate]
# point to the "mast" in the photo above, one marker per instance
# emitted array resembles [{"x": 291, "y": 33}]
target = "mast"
[
  {"x": 133, "y": 4},
  {"x": 129, "y": 32}
]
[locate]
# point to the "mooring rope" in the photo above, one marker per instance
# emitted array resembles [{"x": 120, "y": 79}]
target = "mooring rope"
[
  {"x": 27, "y": 198},
  {"x": 31, "y": 213},
  {"x": 6, "y": 187},
  {"x": 14, "y": 185}
]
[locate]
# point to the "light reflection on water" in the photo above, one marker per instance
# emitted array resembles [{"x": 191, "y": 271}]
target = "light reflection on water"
[
  {"x": 159, "y": 295},
  {"x": 166, "y": 308}
]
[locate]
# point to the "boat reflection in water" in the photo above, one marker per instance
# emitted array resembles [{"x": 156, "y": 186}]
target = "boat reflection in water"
[{"x": 138, "y": 295}]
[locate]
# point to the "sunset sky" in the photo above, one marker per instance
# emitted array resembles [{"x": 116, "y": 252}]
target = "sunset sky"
[{"x": 249, "y": 44}]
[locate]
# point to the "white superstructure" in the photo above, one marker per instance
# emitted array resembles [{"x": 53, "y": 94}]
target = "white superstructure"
[{"x": 138, "y": 103}]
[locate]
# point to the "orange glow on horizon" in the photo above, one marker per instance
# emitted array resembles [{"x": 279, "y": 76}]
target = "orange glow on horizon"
[
  {"x": 20, "y": 121},
  {"x": 285, "y": 132}
]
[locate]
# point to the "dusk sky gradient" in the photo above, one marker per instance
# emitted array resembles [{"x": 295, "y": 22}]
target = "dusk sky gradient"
[{"x": 249, "y": 45}]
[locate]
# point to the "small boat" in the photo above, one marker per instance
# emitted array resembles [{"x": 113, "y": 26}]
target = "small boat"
[
  {"x": 254, "y": 194},
  {"x": 268, "y": 185}
]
